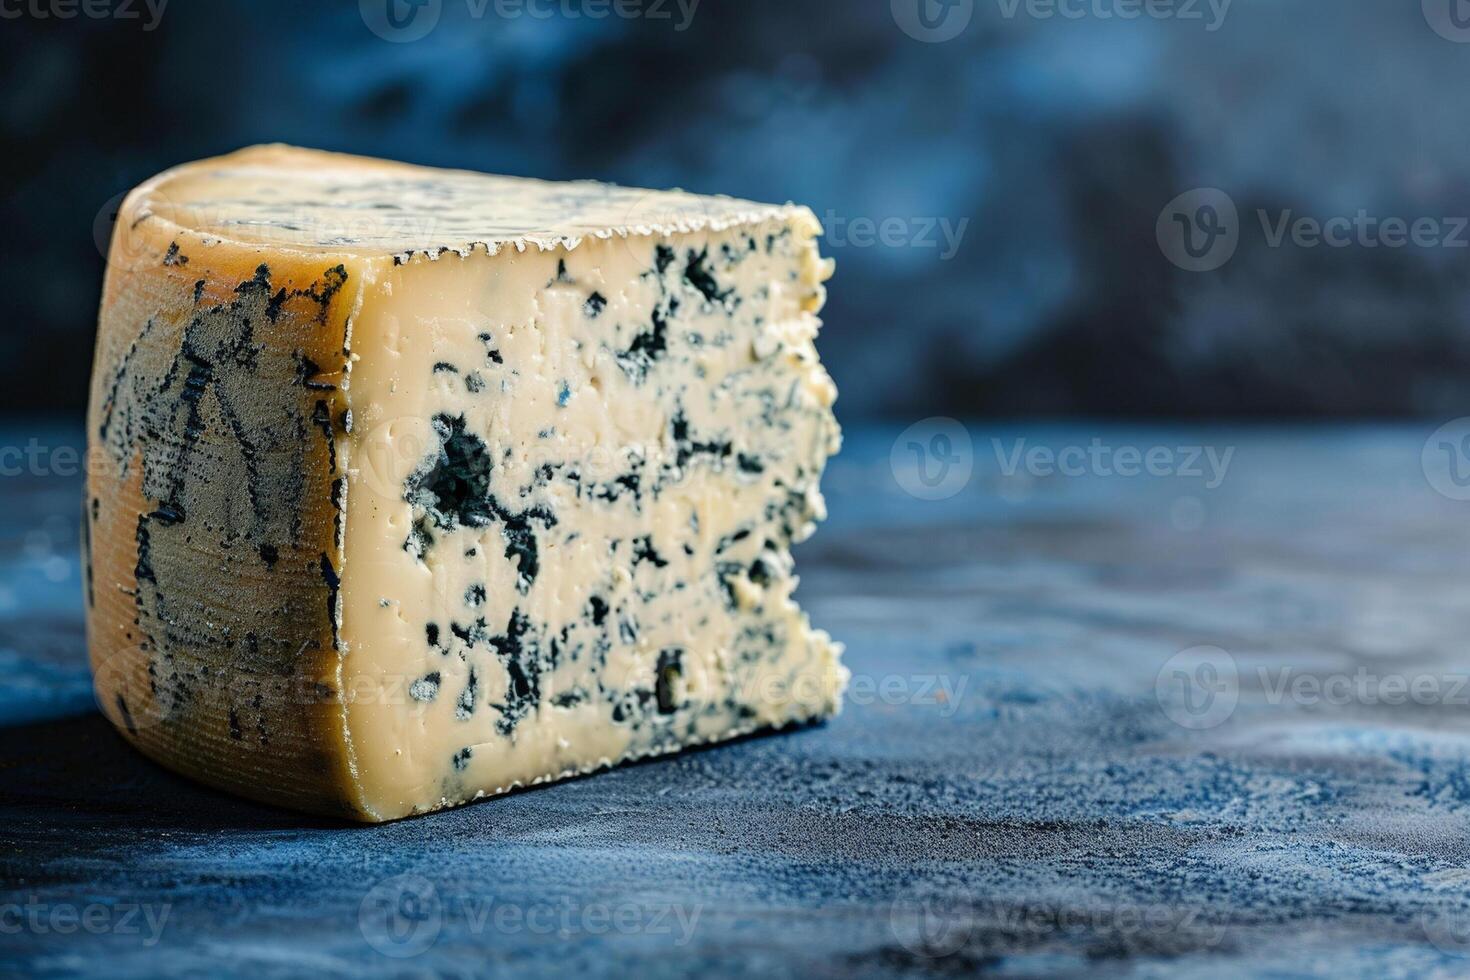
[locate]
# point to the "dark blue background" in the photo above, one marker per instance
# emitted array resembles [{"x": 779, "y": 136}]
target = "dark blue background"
[
  {"x": 1057, "y": 140},
  {"x": 1061, "y": 795}
]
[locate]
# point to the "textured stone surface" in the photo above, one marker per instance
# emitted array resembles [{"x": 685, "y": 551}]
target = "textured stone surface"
[{"x": 1049, "y": 816}]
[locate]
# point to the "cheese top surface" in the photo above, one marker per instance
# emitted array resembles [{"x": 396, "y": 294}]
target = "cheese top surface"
[{"x": 311, "y": 200}]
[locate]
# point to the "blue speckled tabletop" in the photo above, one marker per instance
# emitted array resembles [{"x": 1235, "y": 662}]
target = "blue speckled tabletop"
[{"x": 1163, "y": 724}]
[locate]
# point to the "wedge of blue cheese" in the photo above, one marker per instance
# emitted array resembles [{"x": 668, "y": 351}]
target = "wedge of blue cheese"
[{"x": 414, "y": 486}]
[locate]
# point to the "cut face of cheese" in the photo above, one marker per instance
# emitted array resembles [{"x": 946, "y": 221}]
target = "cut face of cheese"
[{"x": 421, "y": 486}]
